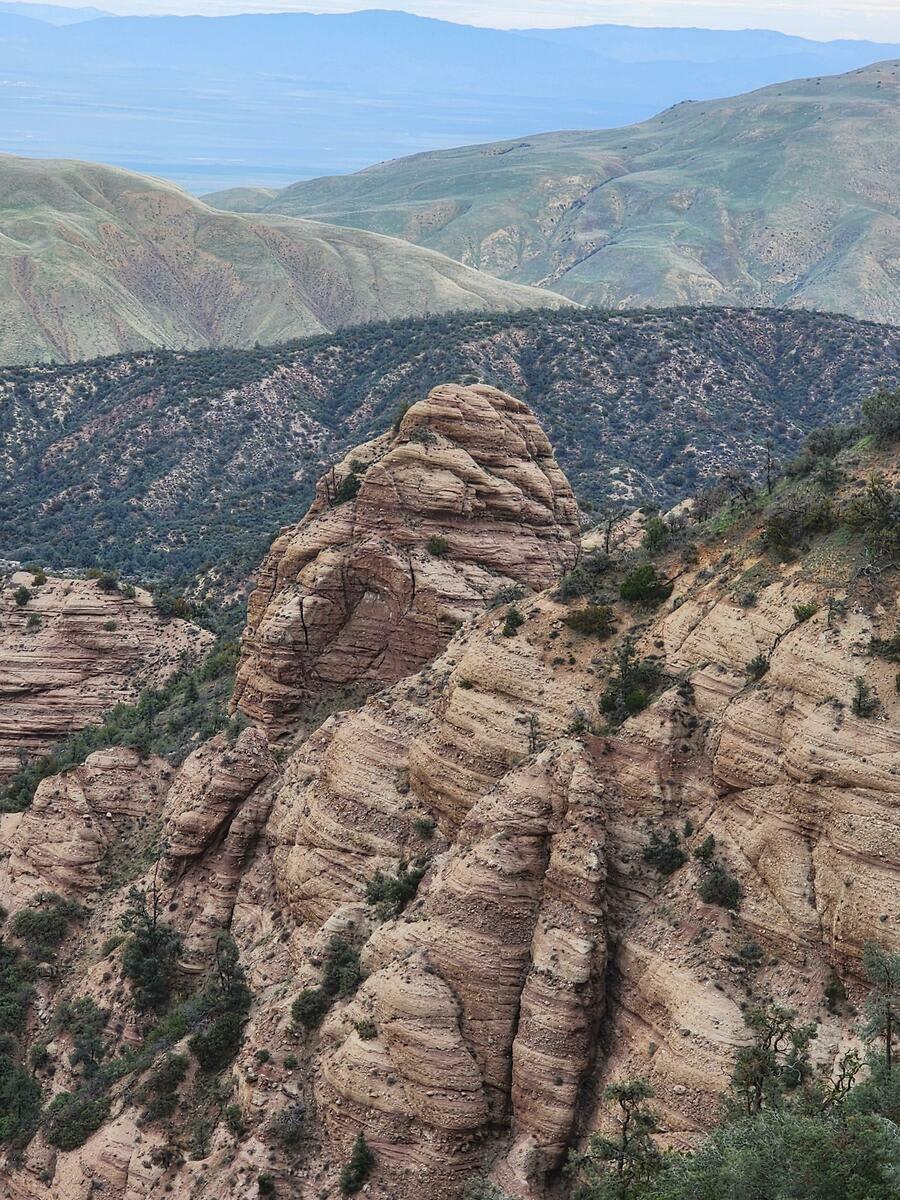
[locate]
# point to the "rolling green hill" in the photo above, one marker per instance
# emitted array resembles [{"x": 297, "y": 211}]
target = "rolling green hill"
[
  {"x": 95, "y": 260},
  {"x": 786, "y": 196},
  {"x": 159, "y": 463}
]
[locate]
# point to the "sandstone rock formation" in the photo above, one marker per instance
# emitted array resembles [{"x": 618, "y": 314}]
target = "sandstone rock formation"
[
  {"x": 73, "y": 652},
  {"x": 541, "y": 956},
  {"x": 464, "y": 499},
  {"x": 76, "y": 823}
]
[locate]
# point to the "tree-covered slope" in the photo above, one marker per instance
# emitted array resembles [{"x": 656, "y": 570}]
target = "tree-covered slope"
[
  {"x": 784, "y": 196},
  {"x": 159, "y": 463}
]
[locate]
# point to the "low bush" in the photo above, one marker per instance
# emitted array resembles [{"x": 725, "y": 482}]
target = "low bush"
[
  {"x": 595, "y": 620},
  {"x": 887, "y": 648},
  {"x": 512, "y": 624},
  {"x": 718, "y": 887},
  {"x": 803, "y": 612},
  {"x": 797, "y": 517},
  {"x": 44, "y": 924},
  {"x": 758, "y": 666},
  {"x": 876, "y": 517},
  {"x": 631, "y": 684},
  {"x": 341, "y": 976},
  {"x": 881, "y": 416},
  {"x": 438, "y": 546},
  {"x": 217, "y": 1045},
  {"x": 390, "y": 894},
  {"x": 645, "y": 588},
  {"x": 865, "y": 702},
  {"x": 159, "y": 1093},
  {"x": 665, "y": 855},
  {"x": 72, "y": 1118}
]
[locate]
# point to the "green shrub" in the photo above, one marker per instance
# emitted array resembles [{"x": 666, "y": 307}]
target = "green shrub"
[
  {"x": 645, "y": 588},
  {"x": 71, "y": 1119},
  {"x": 718, "y": 887},
  {"x": 424, "y": 828},
  {"x": 265, "y": 1184},
  {"x": 881, "y": 415},
  {"x": 20, "y": 1101},
  {"x": 664, "y": 855},
  {"x": 803, "y": 612},
  {"x": 217, "y": 1045},
  {"x": 584, "y": 579},
  {"x": 85, "y": 1022},
  {"x": 44, "y": 924},
  {"x": 159, "y": 1094},
  {"x": 21, "y": 596},
  {"x": 656, "y": 536},
  {"x": 704, "y": 852},
  {"x": 865, "y": 701},
  {"x": 595, "y": 620},
  {"x": 514, "y": 620},
  {"x": 631, "y": 685},
  {"x": 348, "y": 488},
  {"x": 390, "y": 894},
  {"x": 366, "y": 1029},
  {"x": 887, "y": 648},
  {"x": 438, "y": 546},
  {"x": 758, "y": 666},
  {"x": 358, "y": 1168},
  {"x": 876, "y": 516},
  {"x": 795, "y": 518},
  {"x": 341, "y": 976},
  {"x": 310, "y": 1007},
  {"x": 151, "y": 952}
]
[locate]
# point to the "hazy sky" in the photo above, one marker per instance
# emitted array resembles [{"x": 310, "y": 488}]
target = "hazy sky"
[{"x": 879, "y": 19}]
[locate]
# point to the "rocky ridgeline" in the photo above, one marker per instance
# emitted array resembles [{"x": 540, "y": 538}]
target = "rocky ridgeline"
[{"x": 541, "y": 955}]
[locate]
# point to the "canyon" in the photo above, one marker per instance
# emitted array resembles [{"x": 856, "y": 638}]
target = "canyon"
[{"x": 415, "y": 697}]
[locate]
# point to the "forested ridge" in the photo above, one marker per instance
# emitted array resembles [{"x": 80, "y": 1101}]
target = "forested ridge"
[{"x": 160, "y": 464}]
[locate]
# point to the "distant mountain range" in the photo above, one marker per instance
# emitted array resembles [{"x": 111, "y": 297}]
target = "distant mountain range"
[
  {"x": 270, "y": 98},
  {"x": 787, "y": 196},
  {"x": 96, "y": 260}
]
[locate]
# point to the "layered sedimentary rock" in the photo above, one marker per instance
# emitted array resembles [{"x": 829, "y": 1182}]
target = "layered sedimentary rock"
[
  {"x": 542, "y": 956},
  {"x": 72, "y": 652},
  {"x": 463, "y": 499},
  {"x": 214, "y": 812},
  {"x": 63, "y": 842}
]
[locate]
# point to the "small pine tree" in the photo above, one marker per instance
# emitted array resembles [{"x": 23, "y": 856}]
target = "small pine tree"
[{"x": 358, "y": 1167}]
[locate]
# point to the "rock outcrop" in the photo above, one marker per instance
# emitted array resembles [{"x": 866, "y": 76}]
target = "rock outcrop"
[
  {"x": 72, "y": 652},
  {"x": 534, "y": 954},
  {"x": 410, "y": 534}
]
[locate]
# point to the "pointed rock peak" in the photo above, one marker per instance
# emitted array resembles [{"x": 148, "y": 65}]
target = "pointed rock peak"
[{"x": 407, "y": 536}]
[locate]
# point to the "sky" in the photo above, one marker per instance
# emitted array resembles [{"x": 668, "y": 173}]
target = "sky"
[{"x": 823, "y": 19}]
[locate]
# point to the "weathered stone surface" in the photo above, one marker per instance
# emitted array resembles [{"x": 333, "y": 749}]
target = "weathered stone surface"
[
  {"x": 61, "y": 843},
  {"x": 352, "y": 596},
  {"x": 72, "y": 652}
]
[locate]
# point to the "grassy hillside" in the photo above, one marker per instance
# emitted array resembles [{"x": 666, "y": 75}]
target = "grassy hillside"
[
  {"x": 787, "y": 196},
  {"x": 96, "y": 260},
  {"x": 158, "y": 464}
]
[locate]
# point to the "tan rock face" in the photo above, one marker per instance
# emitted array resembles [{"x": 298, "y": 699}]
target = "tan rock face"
[
  {"x": 352, "y": 596},
  {"x": 73, "y": 652},
  {"x": 63, "y": 841}
]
